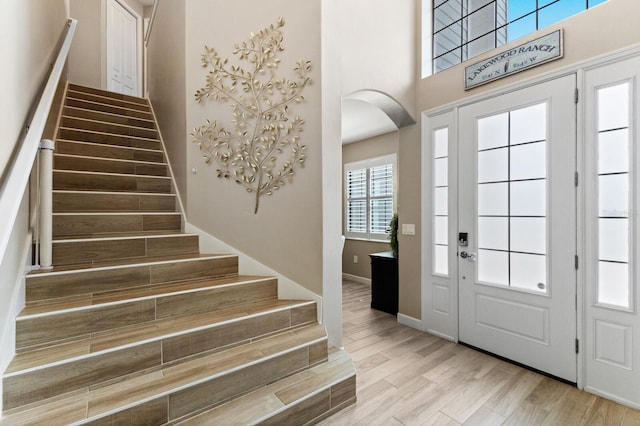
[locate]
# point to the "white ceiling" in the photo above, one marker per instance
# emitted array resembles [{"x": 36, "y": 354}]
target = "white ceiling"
[{"x": 146, "y": 2}]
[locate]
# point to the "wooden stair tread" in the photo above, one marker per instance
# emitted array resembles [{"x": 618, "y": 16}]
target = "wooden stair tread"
[
  {"x": 265, "y": 402},
  {"x": 107, "y": 159},
  {"x": 169, "y": 380},
  {"x": 86, "y": 124},
  {"x": 107, "y": 93},
  {"x": 71, "y": 111},
  {"x": 125, "y": 175},
  {"x": 99, "y": 106},
  {"x": 144, "y": 333},
  {"x": 126, "y": 263},
  {"x": 108, "y": 213},
  {"x": 80, "y": 191},
  {"x": 111, "y": 146},
  {"x": 134, "y": 293},
  {"x": 115, "y": 135},
  {"x": 80, "y": 95},
  {"x": 121, "y": 235}
]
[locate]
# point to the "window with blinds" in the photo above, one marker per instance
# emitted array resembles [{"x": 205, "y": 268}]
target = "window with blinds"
[{"x": 369, "y": 197}]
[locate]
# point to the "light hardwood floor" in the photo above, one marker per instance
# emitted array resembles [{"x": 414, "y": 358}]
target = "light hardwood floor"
[{"x": 406, "y": 377}]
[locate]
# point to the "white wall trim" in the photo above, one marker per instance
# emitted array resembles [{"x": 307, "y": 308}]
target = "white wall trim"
[
  {"x": 356, "y": 279},
  {"x": 174, "y": 186},
  {"x": 410, "y": 321},
  {"x": 287, "y": 288}
]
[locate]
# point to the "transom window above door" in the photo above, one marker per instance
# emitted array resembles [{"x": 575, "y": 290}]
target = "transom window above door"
[{"x": 462, "y": 29}]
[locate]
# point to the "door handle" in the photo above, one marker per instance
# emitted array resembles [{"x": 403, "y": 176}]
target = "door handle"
[{"x": 470, "y": 256}]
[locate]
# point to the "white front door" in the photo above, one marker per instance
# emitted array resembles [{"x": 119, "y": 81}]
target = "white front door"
[
  {"x": 122, "y": 38},
  {"x": 517, "y": 206}
]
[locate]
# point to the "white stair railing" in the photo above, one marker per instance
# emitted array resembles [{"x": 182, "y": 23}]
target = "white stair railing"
[{"x": 15, "y": 184}]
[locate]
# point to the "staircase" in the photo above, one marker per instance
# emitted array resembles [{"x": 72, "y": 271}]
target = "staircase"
[{"x": 134, "y": 325}]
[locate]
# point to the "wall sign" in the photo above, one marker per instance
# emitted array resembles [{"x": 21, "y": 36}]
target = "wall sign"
[{"x": 531, "y": 54}]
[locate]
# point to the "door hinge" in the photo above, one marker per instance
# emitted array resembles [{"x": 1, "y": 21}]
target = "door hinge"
[
  {"x": 576, "y": 96},
  {"x": 576, "y": 179},
  {"x": 577, "y": 346},
  {"x": 576, "y": 262}
]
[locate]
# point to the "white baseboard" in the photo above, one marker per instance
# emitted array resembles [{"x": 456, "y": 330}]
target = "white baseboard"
[
  {"x": 410, "y": 321},
  {"x": 287, "y": 288},
  {"x": 356, "y": 279}
]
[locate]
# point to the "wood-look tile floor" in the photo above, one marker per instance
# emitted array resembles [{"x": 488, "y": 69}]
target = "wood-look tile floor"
[{"x": 406, "y": 377}]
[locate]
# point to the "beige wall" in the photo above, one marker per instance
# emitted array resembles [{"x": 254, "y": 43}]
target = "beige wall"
[
  {"x": 377, "y": 47},
  {"x": 286, "y": 234},
  {"x": 30, "y": 31},
  {"x": 606, "y": 28},
  {"x": 369, "y": 44},
  {"x": 167, "y": 86},
  {"x": 370, "y": 148},
  {"x": 87, "y": 59}
]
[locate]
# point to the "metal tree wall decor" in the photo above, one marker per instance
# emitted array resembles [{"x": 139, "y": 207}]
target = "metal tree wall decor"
[{"x": 263, "y": 150}]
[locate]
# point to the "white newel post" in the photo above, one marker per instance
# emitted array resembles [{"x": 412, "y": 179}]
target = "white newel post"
[{"x": 46, "y": 202}]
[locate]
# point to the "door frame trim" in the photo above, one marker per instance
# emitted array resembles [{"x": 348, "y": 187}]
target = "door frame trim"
[
  {"x": 139, "y": 44},
  {"x": 578, "y": 69}
]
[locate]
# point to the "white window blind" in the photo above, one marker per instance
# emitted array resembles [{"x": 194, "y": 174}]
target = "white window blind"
[{"x": 369, "y": 197}]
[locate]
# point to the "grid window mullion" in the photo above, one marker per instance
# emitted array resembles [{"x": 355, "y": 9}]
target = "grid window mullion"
[{"x": 442, "y": 20}]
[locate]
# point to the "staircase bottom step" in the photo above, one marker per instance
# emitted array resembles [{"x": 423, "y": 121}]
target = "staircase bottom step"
[
  {"x": 176, "y": 392},
  {"x": 304, "y": 398}
]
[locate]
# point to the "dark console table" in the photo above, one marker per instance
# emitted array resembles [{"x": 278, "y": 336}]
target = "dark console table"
[{"x": 384, "y": 282}]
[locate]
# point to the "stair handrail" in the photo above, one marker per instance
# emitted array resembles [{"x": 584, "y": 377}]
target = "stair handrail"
[{"x": 16, "y": 181}]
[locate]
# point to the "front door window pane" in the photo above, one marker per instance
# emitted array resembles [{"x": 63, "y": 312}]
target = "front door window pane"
[
  {"x": 493, "y": 165},
  {"x": 493, "y": 131},
  {"x": 493, "y": 233},
  {"x": 613, "y": 107},
  {"x": 528, "y": 198},
  {"x": 528, "y": 271},
  {"x": 614, "y": 222},
  {"x": 614, "y": 195},
  {"x": 613, "y": 283},
  {"x": 528, "y": 234},
  {"x": 512, "y": 198},
  {"x": 528, "y": 124},
  {"x": 529, "y": 161},
  {"x": 493, "y": 199},
  {"x": 493, "y": 267}
]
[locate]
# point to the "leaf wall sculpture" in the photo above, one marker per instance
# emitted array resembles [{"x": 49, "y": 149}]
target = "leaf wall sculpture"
[{"x": 263, "y": 150}]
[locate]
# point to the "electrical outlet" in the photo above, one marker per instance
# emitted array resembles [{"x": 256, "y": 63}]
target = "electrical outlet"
[{"x": 355, "y": 259}]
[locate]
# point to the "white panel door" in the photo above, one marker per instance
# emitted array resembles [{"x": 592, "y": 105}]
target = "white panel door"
[
  {"x": 517, "y": 205},
  {"x": 122, "y": 39},
  {"x": 612, "y": 232}
]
